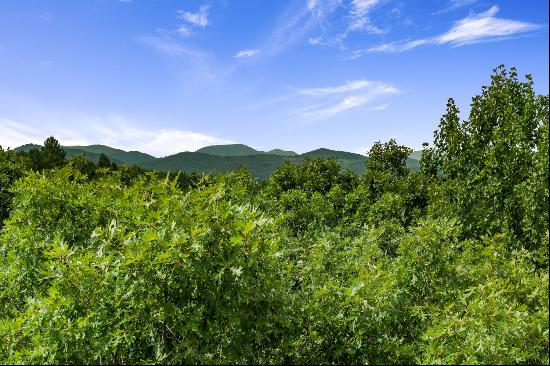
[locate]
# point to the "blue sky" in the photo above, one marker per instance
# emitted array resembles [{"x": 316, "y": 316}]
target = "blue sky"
[{"x": 164, "y": 76}]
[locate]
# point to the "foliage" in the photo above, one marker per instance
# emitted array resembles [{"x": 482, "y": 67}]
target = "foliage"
[
  {"x": 12, "y": 167},
  {"x": 315, "y": 265}
]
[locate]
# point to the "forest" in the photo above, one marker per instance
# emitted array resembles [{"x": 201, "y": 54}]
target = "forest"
[{"x": 104, "y": 263}]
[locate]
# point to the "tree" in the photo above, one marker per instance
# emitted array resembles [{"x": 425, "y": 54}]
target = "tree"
[
  {"x": 53, "y": 155},
  {"x": 104, "y": 161},
  {"x": 12, "y": 167},
  {"x": 386, "y": 167},
  {"x": 495, "y": 164}
]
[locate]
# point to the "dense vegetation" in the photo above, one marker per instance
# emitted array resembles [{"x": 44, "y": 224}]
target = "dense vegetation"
[{"x": 318, "y": 264}]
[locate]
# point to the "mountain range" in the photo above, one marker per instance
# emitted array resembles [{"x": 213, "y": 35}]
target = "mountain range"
[{"x": 221, "y": 158}]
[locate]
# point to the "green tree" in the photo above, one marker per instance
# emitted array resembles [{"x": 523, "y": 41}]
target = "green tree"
[
  {"x": 12, "y": 167},
  {"x": 386, "y": 168},
  {"x": 53, "y": 155},
  {"x": 494, "y": 164},
  {"x": 104, "y": 161}
]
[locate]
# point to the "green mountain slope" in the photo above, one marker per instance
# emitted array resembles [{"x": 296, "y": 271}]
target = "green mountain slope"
[
  {"x": 228, "y": 150},
  {"x": 92, "y": 153},
  {"x": 280, "y": 152},
  {"x": 126, "y": 157},
  {"x": 327, "y": 153},
  {"x": 27, "y": 147},
  {"x": 260, "y": 165},
  {"x": 416, "y": 154},
  {"x": 210, "y": 159}
]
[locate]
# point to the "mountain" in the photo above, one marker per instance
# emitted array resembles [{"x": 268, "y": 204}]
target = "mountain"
[
  {"x": 126, "y": 157},
  {"x": 221, "y": 158},
  {"x": 93, "y": 152},
  {"x": 260, "y": 165},
  {"x": 280, "y": 152},
  {"x": 228, "y": 150},
  {"x": 327, "y": 153},
  {"x": 417, "y": 155},
  {"x": 27, "y": 147}
]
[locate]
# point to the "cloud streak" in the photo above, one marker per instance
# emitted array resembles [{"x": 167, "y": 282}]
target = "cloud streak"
[
  {"x": 454, "y": 5},
  {"x": 475, "y": 28},
  {"x": 347, "y": 87},
  {"x": 359, "y": 14},
  {"x": 359, "y": 93},
  {"x": 246, "y": 53},
  {"x": 198, "y": 19}
]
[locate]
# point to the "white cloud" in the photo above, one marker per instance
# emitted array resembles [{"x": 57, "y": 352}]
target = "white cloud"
[
  {"x": 347, "y": 87},
  {"x": 359, "y": 14},
  {"x": 370, "y": 91},
  {"x": 112, "y": 130},
  {"x": 454, "y": 5},
  {"x": 184, "y": 31},
  {"x": 475, "y": 28},
  {"x": 246, "y": 53},
  {"x": 297, "y": 23},
  {"x": 172, "y": 48},
  {"x": 311, "y": 4},
  {"x": 199, "y": 19},
  {"x": 314, "y": 41}
]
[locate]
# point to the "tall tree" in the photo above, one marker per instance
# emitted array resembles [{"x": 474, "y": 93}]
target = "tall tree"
[
  {"x": 52, "y": 153},
  {"x": 495, "y": 164},
  {"x": 386, "y": 167},
  {"x": 104, "y": 161}
]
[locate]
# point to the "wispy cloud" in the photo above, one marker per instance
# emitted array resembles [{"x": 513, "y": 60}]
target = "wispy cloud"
[
  {"x": 199, "y": 19},
  {"x": 359, "y": 93},
  {"x": 246, "y": 53},
  {"x": 359, "y": 14},
  {"x": 297, "y": 23},
  {"x": 484, "y": 26},
  {"x": 454, "y": 5},
  {"x": 112, "y": 130},
  {"x": 184, "y": 31},
  {"x": 334, "y": 28},
  {"x": 199, "y": 63},
  {"x": 475, "y": 28},
  {"x": 170, "y": 47},
  {"x": 347, "y": 87}
]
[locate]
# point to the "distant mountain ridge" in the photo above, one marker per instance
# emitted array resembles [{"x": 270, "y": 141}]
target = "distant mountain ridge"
[
  {"x": 221, "y": 158},
  {"x": 241, "y": 150}
]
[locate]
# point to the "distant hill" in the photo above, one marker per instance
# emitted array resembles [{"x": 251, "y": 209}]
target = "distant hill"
[
  {"x": 417, "y": 155},
  {"x": 27, "y": 147},
  {"x": 126, "y": 157},
  {"x": 221, "y": 158},
  {"x": 93, "y": 152},
  {"x": 228, "y": 150},
  {"x": 260, "y": 165},
  {"x": 281, "y": 152},
  {"x": 327, "y": 153}
]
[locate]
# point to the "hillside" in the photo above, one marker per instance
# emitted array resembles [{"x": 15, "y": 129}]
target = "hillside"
[
  {"x": 92, "y": 153},
  {"x": 228, "y": 150},
  {"x": 260, "y": 165},
  {"x": 327, "y": 153},
  {"x": 221, "y": 158},
  {"x": 126, "y": 157},
  {"x": 280, "y": 152}
]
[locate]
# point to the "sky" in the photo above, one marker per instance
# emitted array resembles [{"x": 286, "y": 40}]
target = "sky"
[{"x": 165, "y": 76}]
